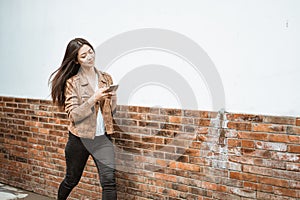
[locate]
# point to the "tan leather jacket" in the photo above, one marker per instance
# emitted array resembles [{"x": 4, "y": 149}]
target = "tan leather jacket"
[{"x": 81, "y": 109}]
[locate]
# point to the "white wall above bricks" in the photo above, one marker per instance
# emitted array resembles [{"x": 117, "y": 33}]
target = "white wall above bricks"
[{"x": 253, "y": 44}]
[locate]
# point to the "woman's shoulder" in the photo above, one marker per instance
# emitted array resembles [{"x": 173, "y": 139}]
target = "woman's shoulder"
[
  {"x": 73, "y": 79},
  {"x": 106, "y": 76}
]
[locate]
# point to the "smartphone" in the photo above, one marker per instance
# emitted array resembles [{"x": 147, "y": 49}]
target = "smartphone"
[{"x": 112, "y": 88}]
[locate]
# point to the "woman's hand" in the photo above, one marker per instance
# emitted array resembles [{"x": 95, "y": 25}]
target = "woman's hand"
[{"x": 101, "y": 94}]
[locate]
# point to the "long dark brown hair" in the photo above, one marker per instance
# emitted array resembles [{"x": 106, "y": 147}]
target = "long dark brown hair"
[{"x": 67, "y": 69}]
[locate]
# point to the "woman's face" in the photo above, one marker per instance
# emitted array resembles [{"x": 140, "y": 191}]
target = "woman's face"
[{"x": 86, "y": 56}]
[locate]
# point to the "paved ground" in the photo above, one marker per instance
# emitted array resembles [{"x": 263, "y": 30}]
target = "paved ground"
[{"x": 11, "y": 193}]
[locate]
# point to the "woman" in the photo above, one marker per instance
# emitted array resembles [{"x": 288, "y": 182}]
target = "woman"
[{"x": 79, "y": 88}]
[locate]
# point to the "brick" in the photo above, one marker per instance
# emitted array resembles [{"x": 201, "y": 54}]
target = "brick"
[
  {"x": 294, "y": 148},
  {"x": 186, "y": 120},
  {"x": 128, "y": 122},
  {"x": 258, "y": 170},
  {"x": 8, "y": 99},
  {"x": 271, "y": 146},
  {"x": 293, "y": 167},
  {"x": 279, "y": 120},
  {"x": 241, "y": 159},
  {"x": 208, "y": 185},
  {"x": 254, "y": 136},
  {"x": 265, "y": 188},
  {"x": 152, "y": 139},
  {"x": 194, "y": 113},
  {"x": 157, "y": 118},
  {"x": 269, "y": 163},
  {"x": 172, "y": 127},
  {"x": 175, "y": 119},
  {"x": 244, "y": 117},
  {"x": 144, "y": 145},
  {"x": 202, "y": 122},
  {"x": 146, "y": 124},
  {"x": 136, "y": 116},
  {"x": 165, "y": 148},
  {"x": 273, "y": 181},
  {"x": 172, "y": 112},
  {"x": 272, "y": 128},
  {"x": 263, "y": 196},
  {"x": 285, "y": 157},
  {"x": 294, "y": 184},
  {"x": 250, "y": 185},
  {"x": 166, "y": 177},
  {"x": 243, "y": 126},
  {"x": 192, "y": 152},
  {"x": 291, "y": 175},
  {"x": 247, "y": 143},
  {"x": 12, "y": 105},
  {"x": 243, "y": 176},
  {"x": 188, "y": 167},
  {"x": 294, "y": 139},
  {"x": 243, "y": 192},
  {"x": 143, "y": 109},
  {"x": 279, "y": 138},
  {"x": 225, "y": 196},
  {"x": 233, "y": 142},
  {"x": 298, "y": 122},
  {"x": 234, "y": 166},
  {"x": 189, "y": 129},
  {"x": 256, "y": 152},
  {"x": 293, "y": 130},
  {"x": 285, "y": 192},
  {"x": 163, "y": 133}
]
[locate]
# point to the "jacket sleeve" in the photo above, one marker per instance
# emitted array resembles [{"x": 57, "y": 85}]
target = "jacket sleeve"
[
  {"x": 113, "y": 100},
  {"x": 75, "y": 111}
]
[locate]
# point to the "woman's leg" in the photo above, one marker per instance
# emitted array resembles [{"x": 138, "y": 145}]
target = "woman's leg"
[
  {"x": 104, "y": 157},
  {"x": 76, "y": 158}
]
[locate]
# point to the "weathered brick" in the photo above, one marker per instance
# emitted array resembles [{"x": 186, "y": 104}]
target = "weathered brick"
[
  {"x": 285, "y": 192},
  {"x": 273, "y": 181},
  {"x": 272, "y": 128},
  {"x": 271, "y": 146},
  {"x": 136, "y": 116},
  {"x": 279, "y": 120},
  {"x": 244, "y": 117},
  {"x": 233, "y": 142},
  {"x": 243, "y": 126},
  {"x": 290, "y": 175},
  {"x": 165, "y": 177},
  {"x": 293, "y": 167},
  {"x": 243, "y": 192},
  {"x": 258, "y": 170},
  {"x": 289, "y": 157},
  {"x": 293, "y": 130},
  {"x": 202, "y": 122},
  {"x": 256, "y": 152},
  {"x": 158, "y": 155},
  {"x": 254, "y": 136}
]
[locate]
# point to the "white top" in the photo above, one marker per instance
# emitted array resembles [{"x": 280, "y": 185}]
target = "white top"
[{"x": 100, "y": 128}]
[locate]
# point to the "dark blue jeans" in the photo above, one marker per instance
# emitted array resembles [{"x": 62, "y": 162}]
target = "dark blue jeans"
[{"x": 77, "y": 152}]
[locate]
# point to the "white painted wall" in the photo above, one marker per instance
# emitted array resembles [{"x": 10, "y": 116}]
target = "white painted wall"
[{"x": 253, "y": 44}]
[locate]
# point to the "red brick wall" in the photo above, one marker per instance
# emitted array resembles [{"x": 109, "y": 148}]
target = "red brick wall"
[{"x": 161, "y": 153}]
